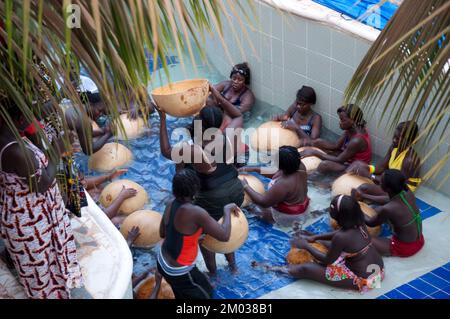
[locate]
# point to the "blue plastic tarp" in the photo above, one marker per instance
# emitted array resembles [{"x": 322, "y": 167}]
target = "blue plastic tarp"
[{"x": 356, "y": 8}]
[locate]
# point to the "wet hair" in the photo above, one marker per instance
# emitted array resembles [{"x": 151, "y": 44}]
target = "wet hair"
[
  {"x": 408, "y": 132},
  {"x": 243, "y": 70},
  {"x": 211, "y": 117},
  {"x": 185, "y": 183},
  {"x": 306, "y": 94},
  {"x": 348, "y": 214},
  {"x": 289, "y": 159},
  {"x": 394, "y": 180},
  {"x": 355, "y": 113}
]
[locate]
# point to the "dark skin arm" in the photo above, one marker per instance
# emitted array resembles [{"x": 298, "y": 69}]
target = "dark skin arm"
[
  {"x": 411, "y": 165},
  {"x": 112, "y": 210},
  {"x": 288, "y": 114},
  {"x": 158, "y": 280},
  {"x": 93, "y": 181},
  {"x": 315, "y": 132},
  {"x": 211, "y": 227},
  {"x": 166, "y": 148},
  {"x": 337, "y": 246},
  {"x": 330, "y": 146},
  {"x": 273, "y": 196},
  {"x": 248, "y": 169},
  {"x": 380, "y": 218},
  {"x": 81, "y": 123},
  {"x": 229, "y": 108},
  {"x": 354, "y": 146},
  {"x": 22, "y": 162},
  {"x": 316, "y": 127},
  {"x": 247, "y": 100},
  {"x": 325, "y": 236}
]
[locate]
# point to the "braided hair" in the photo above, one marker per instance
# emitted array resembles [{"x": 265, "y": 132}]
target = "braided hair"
[
  {"x": 347, "y": 212},
  {"x": 289, "y": 159},
  {"x": 408, "y": 132},
  {"x": 185, "y": 183},
  {"x": 394, "y": 180}
]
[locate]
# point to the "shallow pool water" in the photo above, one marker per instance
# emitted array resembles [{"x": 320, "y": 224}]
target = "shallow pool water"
[{"x": 266, "y": 243}]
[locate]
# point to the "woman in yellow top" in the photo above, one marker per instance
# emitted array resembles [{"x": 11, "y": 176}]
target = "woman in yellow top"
[{"x": 401, "y": 155}]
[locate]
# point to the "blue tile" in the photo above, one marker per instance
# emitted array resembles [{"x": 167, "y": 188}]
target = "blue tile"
[
  {"x": 440, "y": 295},
  {"x": 422, "y": 205},
  {"x": 447, "y": 266},
  {"x": 411, "y": 292},
  {"x": 423, "y": 286},
  {"x": 434, "y": 280},
  {"x": 430, "y": 212},
  {"x": 383, "y": 297},
  {"x": 443, "y": 273},
  {"x": 395, "y": 294},
  {"x": 447, "y": 289}
]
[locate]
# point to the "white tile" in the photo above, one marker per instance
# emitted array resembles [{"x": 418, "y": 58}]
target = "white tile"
[
  {"x": 292, "y": 83},
  {"x": 266, "y": 19},
  {"x": 294, "y": 30},
  {"x": 361, "y": 48},
  {"x": 341, "y": 75},
  {"x": 333, "y": 124},
  {"x": 266, "y": 48},
  {"x": 319, "y": 67},
  {"x": 322, "y": 96},
  {"x": 256, "y": 69},
  {"x": 278, "y": 79},
  {"x": 267, "y": 95},
  {"x": 267, "y": 74},
  {"x": 279, "y": 99},
  {"x": 277, "y": 52},
  {"x": 319, "y": 38},
  {"x": 277, "y": 23},
  {"x": 295, "y": 59},
  {"x": 342, "y": 47},
  {"x": 336, "y": 100}
]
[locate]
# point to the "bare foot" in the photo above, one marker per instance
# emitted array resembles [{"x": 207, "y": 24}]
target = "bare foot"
[{"x": 265, "y": 267}]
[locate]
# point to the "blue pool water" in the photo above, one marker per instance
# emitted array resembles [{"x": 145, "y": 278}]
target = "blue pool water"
[
  {"x": 266, "y": 243},
  {"x": 356, "y": 8}
]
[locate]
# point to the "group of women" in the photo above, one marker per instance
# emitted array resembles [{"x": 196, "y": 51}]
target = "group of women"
[
  {"x": 210, "y": 186},
  {"x": 36, "y": 228}
]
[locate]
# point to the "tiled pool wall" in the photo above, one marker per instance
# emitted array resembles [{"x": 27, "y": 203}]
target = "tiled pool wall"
[{"x": 293, "y": 50}]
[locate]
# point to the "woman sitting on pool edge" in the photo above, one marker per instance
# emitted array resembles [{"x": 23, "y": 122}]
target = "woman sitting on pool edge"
[
  {"x": 401, "y": 155},
  {"x": 402, "y": 213},
  {"x": 287, "y": 196},
  {"x": 300, "y": 118},
  {"x": 234, "y": 92},
  {"x": 353, "y": 145},
  {"x": 351, "y": 258}
]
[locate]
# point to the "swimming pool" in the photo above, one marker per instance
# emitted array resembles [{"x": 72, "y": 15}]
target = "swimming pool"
[{"x": 265, "y": 243}]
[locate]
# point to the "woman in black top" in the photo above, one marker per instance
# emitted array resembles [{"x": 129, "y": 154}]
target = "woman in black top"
[{"x": 212, "y": 158}]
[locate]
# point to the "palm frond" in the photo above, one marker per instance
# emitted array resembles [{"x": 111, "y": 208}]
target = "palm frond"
[
  {"x": 405, "y": 73},
  {"x": 113, "y": 43}
]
